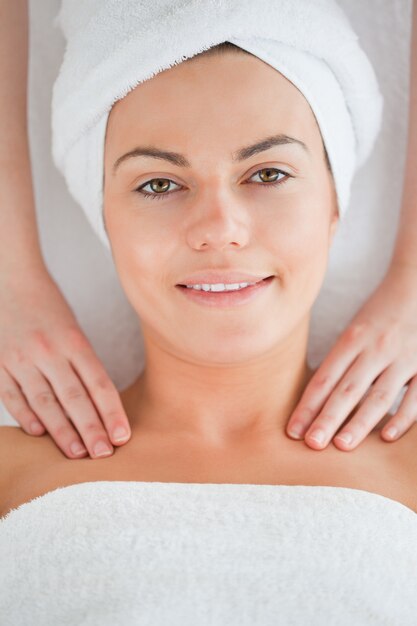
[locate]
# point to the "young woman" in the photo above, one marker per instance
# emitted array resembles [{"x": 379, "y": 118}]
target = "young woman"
[
  {"x": 34, "y": 312},
  {"x": 223, "y": 370}
]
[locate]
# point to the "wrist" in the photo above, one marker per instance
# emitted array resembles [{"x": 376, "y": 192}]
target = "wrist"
[{"x": 23, "y": 271}]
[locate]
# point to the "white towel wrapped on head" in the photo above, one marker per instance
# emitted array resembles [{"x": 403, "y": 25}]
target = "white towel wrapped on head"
[{"x": 113, "y": 45}]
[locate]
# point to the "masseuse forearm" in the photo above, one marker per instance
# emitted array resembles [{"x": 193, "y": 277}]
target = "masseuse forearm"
[
  {"x": 405, "y": 252},
  {"x": 19, "y": 240}
]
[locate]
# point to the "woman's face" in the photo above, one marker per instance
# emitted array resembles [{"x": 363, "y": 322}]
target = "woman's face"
[{"x": 216, "y": 208}]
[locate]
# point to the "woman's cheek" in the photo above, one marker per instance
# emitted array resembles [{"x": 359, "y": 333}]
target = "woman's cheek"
[{"x": 302, "y": 250}]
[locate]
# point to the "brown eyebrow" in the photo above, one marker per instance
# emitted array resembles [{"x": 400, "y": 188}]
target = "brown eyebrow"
[{"x": 180, "y": 160}]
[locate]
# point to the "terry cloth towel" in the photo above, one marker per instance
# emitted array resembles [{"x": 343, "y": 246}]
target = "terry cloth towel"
[
  {"x": 186, "y": 554},
  {"x": 113, "y": 45}
]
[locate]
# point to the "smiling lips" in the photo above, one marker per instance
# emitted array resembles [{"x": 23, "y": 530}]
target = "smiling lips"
[
  {"x": 224, "y": 298},
  {"x": 216, "y": 278}
]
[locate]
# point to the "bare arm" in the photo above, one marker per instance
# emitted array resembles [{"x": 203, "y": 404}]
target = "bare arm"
[
  {"x": 19, "y": 240},
  {"x": 48, "y": 369},
  {"x": 378, "y": 350},
  {"x": 405, "y": 252}
]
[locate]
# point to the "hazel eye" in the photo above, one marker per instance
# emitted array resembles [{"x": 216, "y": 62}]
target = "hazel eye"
[
  {"x": 270, "y": 175},
  {"x": 159, "y": 187}
]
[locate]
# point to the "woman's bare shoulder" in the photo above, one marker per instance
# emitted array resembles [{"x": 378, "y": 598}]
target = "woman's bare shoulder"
[
  {"x": 405, "y": 453},
  {"x": 20, "y": 454},
  {"x": 17, "y": 450},
  {"x": 15, "y": 444}
]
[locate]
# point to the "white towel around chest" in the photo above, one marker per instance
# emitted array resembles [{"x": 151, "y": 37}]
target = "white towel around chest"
[{"x": 125, "y": 553}]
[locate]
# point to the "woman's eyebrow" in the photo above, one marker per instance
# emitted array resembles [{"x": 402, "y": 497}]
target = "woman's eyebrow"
[{"x": 180, "y": 160}]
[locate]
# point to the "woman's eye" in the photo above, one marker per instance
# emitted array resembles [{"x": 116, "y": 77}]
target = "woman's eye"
[
  {"x": 269, "y": 175},
  {"x": 159, "y": 186}
]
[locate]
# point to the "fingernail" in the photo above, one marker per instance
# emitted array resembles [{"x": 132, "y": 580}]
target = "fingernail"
[
  {"x": 120, "y": 434},
  {"x": 102, "y": 449},
  {"x": 318, "y": 435},
  {"x": 296, "y": 431},
  {"x": 346, "y": 438},
  {"x": 77, "y": 449},
  {"x": 391, "y": 432}
]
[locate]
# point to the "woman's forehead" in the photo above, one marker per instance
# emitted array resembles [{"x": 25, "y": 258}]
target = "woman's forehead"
[
  {"x": 186, "y": 103},
  {"x": 240, "y": 81}
]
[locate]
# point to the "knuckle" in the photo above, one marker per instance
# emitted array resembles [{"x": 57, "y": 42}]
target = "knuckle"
[
  {"x": 44, "y": 398},
  {"x": 390, "y": 340},
  {"x": 321, "y": 382},
  {"x": 355, "y": 331},
  {"x": 92, "y": 427},
  {"x": 384, "y": 341},
  {"x": 74, "y": 392},
  {"x": 10, "y": 395},
  {"x": 347, "y": 387},
  {"x": 38, "y": 340},
  {"x": 103, "y": 383},
  {"x": 325, "y": 420},
  {"x": 16, "y": 356},
  {"x": 360, "y": 423},
  {"x": 62, "y": 431},
  {"x": 380, "y": 396},
  {"x": 363, "y": 424},
  {"x": 76, "y": 340},
  {"x": 112, "y": 414}
]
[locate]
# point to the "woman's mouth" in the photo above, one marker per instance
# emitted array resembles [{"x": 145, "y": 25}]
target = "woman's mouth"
[{"x": 224, "y": 298}]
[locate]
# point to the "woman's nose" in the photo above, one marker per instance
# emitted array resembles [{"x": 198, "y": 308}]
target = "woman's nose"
[{"x": 217, "y": 225}]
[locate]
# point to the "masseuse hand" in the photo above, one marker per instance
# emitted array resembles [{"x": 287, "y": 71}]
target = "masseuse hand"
[
  {"x": 48, "y": 369},
  {"x": 376, "y": 353}
]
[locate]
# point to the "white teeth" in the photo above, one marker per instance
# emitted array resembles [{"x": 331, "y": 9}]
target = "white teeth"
[{"x": 219, "y": 286}]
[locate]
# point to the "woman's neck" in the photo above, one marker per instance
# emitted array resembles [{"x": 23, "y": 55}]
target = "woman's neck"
[{"x": 218, "y": 404}]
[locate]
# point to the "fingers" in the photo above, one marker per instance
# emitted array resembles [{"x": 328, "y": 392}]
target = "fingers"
[
  {"x": 344, "y": 398},
  {"x": 42, "y": 401},
  {"x": 364, "y": 385},
  {"x": 51, "y": 391},
  {"x": 102, "y": 390},
  {"x": 374, "y": 408},
  {"x": 78, "y": 405},
  {"x": 405, "y": 416},
  {"x": 86, "y": 392},
  {"x": 16, "y": 404},
  {"x": 324, "y": 380},
  {"x": 361, "y": 372}
]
